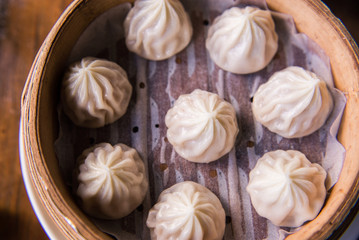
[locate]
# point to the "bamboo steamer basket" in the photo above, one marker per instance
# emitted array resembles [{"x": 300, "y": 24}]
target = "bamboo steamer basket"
[{"x": 39, "y": 124}]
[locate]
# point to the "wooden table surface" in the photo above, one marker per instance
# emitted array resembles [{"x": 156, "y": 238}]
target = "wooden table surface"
[{"x": 24, "y": 25}]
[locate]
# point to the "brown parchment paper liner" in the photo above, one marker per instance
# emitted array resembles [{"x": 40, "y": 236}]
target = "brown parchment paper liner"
[{"x": 158, "y": 84}]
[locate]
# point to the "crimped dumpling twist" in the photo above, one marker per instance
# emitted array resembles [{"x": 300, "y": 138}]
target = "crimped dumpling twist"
[
  {"x": 157, "y": 29},
  {"x": 202, "y": 127},
  {"x": 242, "y": 40},
  {"x": 293, "y": 103},
  {"x": 187, "y": 210},
  {"x": 95, "y": 92},
  {"x": 111, "y": 181},
  {"x": 286, "y": 188}
]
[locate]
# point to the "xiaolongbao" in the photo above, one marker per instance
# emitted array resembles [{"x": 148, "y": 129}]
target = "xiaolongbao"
[
  {"x": 242, "y": 40},
  {"x": 286, "y": 188},
  {"x": 293, "y": 103},
  {"x": 187, "y": 210},
  {"x": 202, "y": 127},
  {"x": 111, "y": 181},
  {"x": 157, "y": 29},
  {"x": 95, "y": 92}
]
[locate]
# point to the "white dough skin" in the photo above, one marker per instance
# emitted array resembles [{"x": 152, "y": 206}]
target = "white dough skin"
[
  {"x": 112, "y": 181},
  {"x": 242, "y": 40},
  {"x": 293, "y": 103},
  {"x": 95, "y": 92},
  {"x": 202, "y": 127},
  {"x": 187, "y": 211},
  {"x": 286, "y": 188},
  {"x": 157, "y": 29}
]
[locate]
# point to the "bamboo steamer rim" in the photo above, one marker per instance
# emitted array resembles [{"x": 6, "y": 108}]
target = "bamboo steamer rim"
[{"x": 47, "y": 181}]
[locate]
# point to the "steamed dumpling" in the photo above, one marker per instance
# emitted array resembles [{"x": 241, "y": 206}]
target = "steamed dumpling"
[
  {"x": 187, "y": 210},
  {"x": 242, "y": 40},
  {"x": 286, "y": 188},
  {"x": 293, "y": 103},
  {"x": 95, "y": 92},
  {"x": 157, "y": 29},
  {"x": 111, "y": 181},
  {"x": 202, "y": 127}
]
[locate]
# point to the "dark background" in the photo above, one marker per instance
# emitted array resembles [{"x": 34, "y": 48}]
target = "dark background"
[{"x": 348, "y": 12}]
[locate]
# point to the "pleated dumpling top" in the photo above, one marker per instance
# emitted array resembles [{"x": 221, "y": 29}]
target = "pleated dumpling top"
[
  {"x": 157, "y": 29},
  {"x": 202, "y": 127},
  {"x": 111, "y": 181},
  {"x": 293, "y": 103},
  {"x": 187, "y": 210},
  {"x": 286, "y": 188},
  {"x": 242, "y": 40},
  {"x": 95, "y": 92}
]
